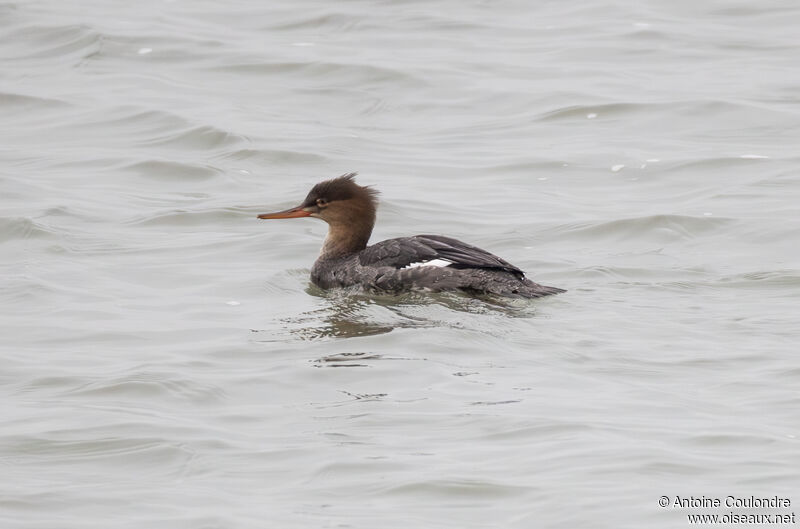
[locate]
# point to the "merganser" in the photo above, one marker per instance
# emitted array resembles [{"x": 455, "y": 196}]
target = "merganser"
[{"x": 422, "y": 262}]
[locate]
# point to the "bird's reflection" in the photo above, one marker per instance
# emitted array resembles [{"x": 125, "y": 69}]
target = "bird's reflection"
[
  {"x": 346, "y": 360},
  {"x": 348, "y": 314}
]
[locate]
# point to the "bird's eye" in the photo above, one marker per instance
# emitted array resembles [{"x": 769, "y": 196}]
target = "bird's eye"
[{"x": 322, "y": 202}]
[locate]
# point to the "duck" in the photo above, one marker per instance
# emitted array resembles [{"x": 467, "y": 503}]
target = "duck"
[{"x": 432, "y": 263}]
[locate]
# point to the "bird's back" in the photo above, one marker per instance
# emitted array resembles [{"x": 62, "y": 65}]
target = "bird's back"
[{"x": 428, "y": 262}]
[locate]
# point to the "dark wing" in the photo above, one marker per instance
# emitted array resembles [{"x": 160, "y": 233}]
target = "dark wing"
[{"x": 402, "y": 252}]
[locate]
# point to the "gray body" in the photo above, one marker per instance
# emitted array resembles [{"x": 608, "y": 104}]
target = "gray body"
[{"x": 398, "y": 265}]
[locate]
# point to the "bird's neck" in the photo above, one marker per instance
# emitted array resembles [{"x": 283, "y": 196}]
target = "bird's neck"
[{"x": 343, "y": 240}]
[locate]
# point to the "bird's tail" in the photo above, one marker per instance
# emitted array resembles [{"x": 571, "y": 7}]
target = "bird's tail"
[{"x": 535, "y": 290}]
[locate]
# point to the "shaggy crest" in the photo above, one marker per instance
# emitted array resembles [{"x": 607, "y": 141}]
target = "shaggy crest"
[{"x": 341, "y": 188}]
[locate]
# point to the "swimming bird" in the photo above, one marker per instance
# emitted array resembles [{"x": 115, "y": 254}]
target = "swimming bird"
[{"x": 422, "y": 262}]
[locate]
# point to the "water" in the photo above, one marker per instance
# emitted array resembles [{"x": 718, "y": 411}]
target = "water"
[{"x": 166, "y": 362}]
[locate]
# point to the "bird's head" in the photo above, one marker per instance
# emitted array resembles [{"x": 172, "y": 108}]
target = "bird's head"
[{"x": 339, "y": 202}]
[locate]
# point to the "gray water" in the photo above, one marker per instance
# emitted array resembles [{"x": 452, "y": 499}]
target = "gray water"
[{"x": 166, "y": 362}]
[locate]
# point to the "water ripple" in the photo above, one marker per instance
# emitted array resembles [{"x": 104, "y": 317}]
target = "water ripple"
[{"x": 661, "y": 228}]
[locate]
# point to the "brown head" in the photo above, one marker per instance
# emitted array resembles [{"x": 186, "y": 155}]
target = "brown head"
[{"x": 348, "y": 208}]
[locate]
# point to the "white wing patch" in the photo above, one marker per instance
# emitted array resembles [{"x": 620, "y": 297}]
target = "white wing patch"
[{"x": 440, "y": 263}]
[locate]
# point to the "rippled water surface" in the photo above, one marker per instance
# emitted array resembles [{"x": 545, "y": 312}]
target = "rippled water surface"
[{"x": 166, "y": 362}]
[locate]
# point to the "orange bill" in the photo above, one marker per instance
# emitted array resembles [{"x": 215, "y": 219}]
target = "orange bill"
[{"x": 291, "y": 213}]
